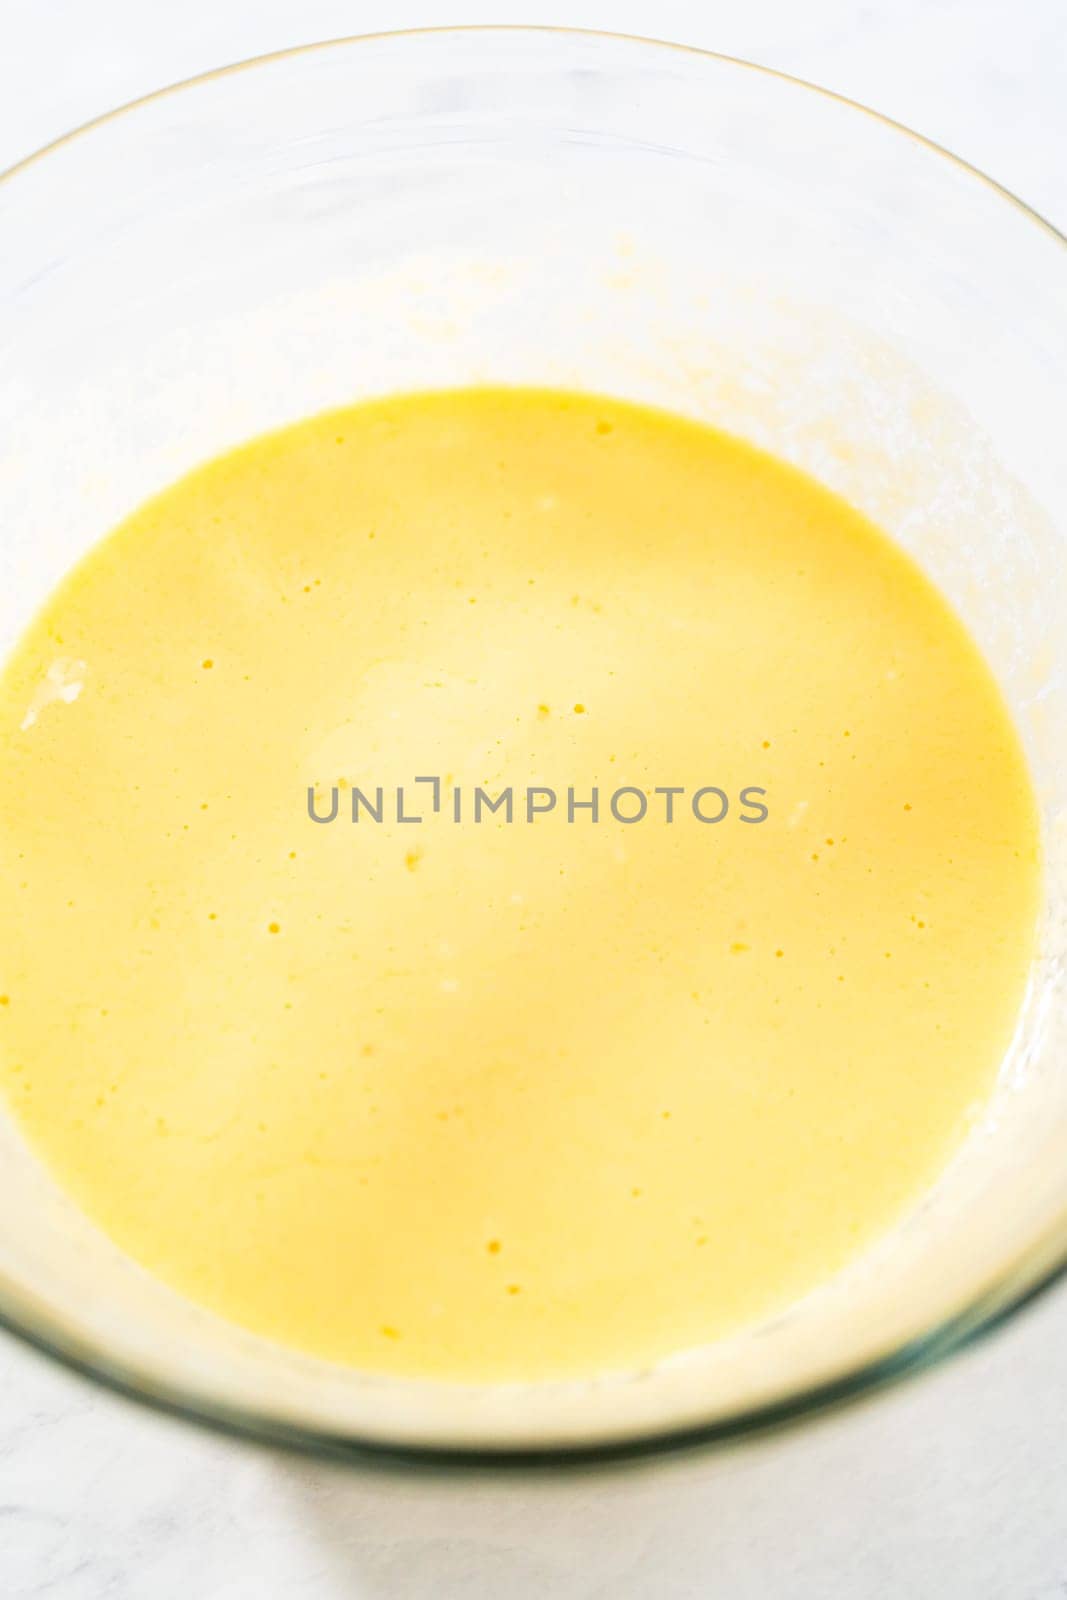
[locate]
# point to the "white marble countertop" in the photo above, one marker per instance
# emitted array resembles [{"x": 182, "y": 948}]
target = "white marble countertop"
[{"x": 956, "y": 1485}]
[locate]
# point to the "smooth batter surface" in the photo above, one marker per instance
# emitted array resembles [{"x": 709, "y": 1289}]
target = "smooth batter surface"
[{"x": 503, "y": 1100}]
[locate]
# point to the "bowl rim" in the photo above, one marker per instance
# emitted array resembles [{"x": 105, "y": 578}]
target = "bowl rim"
[{"x": 1033, "y": 1273}]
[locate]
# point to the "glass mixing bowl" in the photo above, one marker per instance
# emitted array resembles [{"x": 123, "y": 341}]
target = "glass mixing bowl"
[{"x": 537, "y": 206}]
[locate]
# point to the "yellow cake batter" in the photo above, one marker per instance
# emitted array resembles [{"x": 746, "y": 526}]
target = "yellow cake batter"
[{"x": 499, "y": 1099}]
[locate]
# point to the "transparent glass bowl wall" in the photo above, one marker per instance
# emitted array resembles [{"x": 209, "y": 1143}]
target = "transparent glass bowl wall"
[{"x": 419, "y": 210}]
